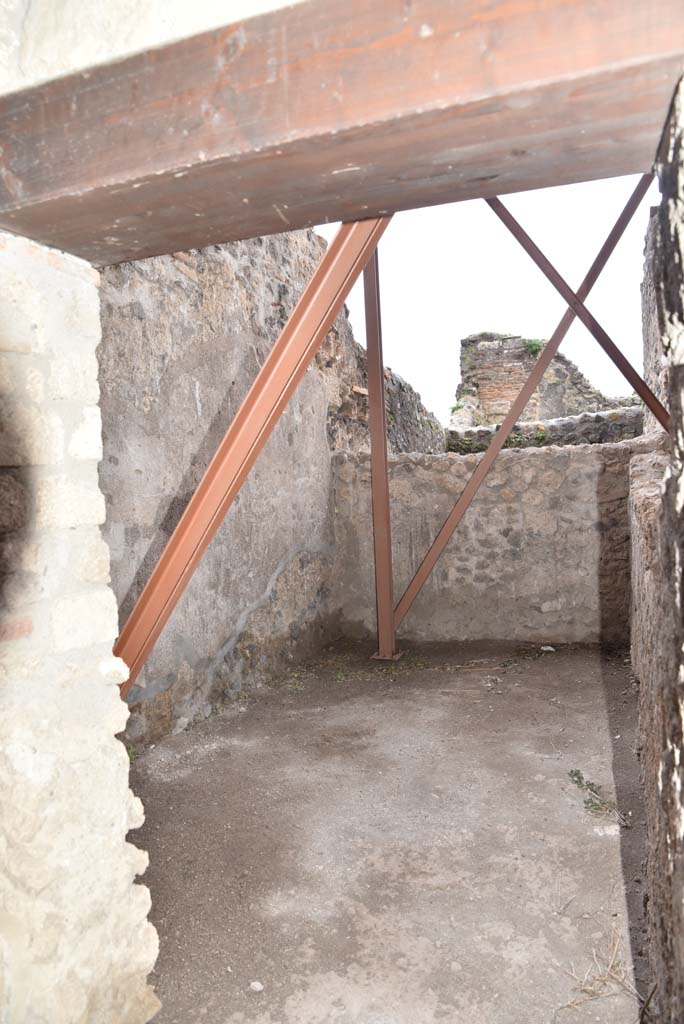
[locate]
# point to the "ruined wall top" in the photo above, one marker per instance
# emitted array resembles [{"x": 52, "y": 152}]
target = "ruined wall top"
[{"x": 494, "y": 368}]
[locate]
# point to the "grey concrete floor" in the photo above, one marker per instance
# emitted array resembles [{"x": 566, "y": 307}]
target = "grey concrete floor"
[{"x": 403, "y": 844}]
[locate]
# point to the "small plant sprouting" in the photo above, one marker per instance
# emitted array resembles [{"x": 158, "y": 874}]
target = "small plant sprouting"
[
  {"x": 577, "y": 777},
  {"x": 534, "y": 346},
  {"x": 515, "y": 440},
  {"x": 594, "y": 801}
]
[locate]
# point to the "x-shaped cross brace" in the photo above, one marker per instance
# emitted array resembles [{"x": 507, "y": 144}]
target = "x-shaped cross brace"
[
  {"x": 387, "y": 625},
  {"x": 354, "y": 249}
]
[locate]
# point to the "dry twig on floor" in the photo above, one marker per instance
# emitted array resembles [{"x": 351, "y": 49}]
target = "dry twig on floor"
[{"x": 606, "y": 976}]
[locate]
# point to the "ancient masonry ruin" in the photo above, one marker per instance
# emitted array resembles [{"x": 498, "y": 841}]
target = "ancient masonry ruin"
[
  {"x": 291, "y": 569},
  {"x": 179, "y": 340},
  {"x": 116, "y": 385},
  {"x": 271, "y": 566},
  {"x": 292, "y": 566},
  {"x": 564, "y": 409}
]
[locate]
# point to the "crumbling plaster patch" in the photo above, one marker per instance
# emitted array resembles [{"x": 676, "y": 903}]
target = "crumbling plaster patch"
[{"x": 75, "y": 943}]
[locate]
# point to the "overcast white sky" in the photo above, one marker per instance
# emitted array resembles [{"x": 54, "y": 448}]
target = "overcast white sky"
[{"x": 450, "y": 271}]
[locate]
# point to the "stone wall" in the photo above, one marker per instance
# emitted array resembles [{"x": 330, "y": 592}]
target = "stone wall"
[
  {"x": 607, "y": 426},
  {"x": 410, "y": 427},
  {"x": 653, "y": 662},
  {"x": 654, "y": 323},
  {"x": 75, "y": 946},
  {"x": 541, "y": 555},
  {"x": 183, "y": 339},
  {"x": 658, "y": 651},
  {"x": 494, "y": 368}
]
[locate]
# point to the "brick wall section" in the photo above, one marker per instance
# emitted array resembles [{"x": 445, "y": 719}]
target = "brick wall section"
[
  {"x": 76, "y": 945},
  {"x": 494, "y": 368},
  {"x": 497, "y": 368},
  {"x": 658, "y": 551}
]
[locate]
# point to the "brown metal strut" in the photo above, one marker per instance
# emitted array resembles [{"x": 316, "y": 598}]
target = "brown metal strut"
[
  {"x": 283, "y": 368},
  {"x": 377, "y": 416}
]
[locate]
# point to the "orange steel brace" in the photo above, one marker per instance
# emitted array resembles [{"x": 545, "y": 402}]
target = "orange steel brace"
[
  {"x": 576, "y": 307},
  {"x": 283, "y": 368}
]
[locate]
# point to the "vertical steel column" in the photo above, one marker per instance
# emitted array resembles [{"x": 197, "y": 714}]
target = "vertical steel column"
[{"x": 382, "y": 530}]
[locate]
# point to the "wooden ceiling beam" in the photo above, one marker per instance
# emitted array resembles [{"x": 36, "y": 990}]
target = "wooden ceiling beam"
[{"x": 336, "y": 110}]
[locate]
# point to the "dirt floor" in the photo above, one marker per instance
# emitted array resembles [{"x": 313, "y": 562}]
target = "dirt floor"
[{"x": 455, "y": 837}]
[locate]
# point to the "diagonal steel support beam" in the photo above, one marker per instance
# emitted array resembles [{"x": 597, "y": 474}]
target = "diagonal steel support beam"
[
  {"x": 548, "y": 352},
  {"x": 581, "y": 311},
  {"x": 283, "y": 368}
]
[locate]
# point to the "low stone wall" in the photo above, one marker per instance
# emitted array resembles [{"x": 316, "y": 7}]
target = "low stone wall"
[
  {"x": 587, "y": 428},
  {"x": 541, "y": 555}
]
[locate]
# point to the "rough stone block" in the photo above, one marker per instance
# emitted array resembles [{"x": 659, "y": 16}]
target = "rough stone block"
[
  {"x": 62, "y": 501},
  {"x": 86, "y": 440},
  {"x": 32, "y": 435},
  {"x": 14, "y": 502},
  {"x": 91, "y": 559},
  {"x": 72, "y": 376},
  {"x": 85, "y": 619}
]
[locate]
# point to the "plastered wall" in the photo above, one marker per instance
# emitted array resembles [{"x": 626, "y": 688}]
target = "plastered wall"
[
  {"x": 43, "y": 39},
  {"x": 75, "y": 945}
]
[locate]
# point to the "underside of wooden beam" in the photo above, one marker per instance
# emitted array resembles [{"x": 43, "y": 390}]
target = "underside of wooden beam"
[{"x": 336, "y": 110}]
